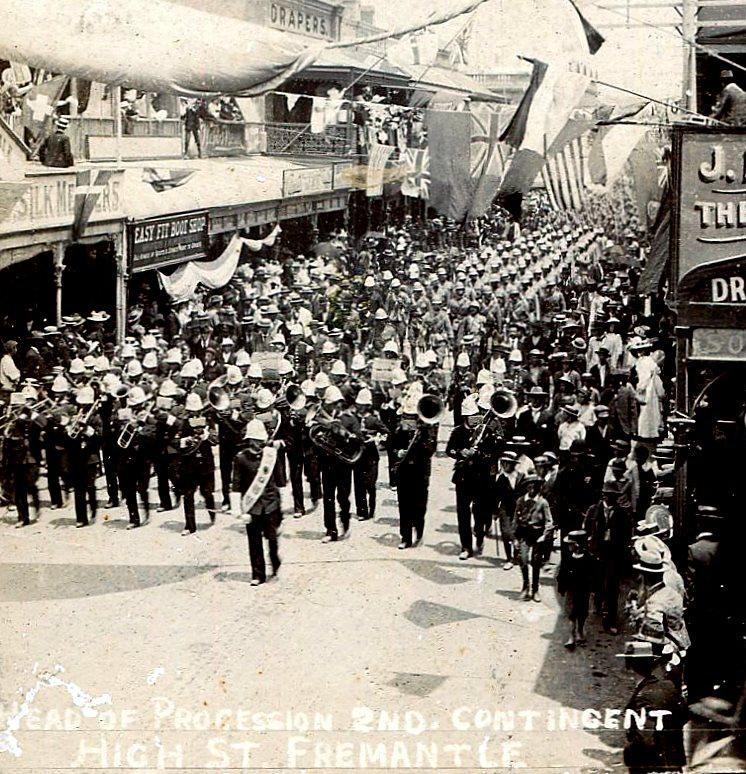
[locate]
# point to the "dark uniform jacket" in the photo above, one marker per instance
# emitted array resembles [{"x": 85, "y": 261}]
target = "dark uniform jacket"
[
  {"x": 650, "y": 750},
  {"x": 245, "y": 469}
]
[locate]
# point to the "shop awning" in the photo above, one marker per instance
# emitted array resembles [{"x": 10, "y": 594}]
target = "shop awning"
[
  {"x": 218, "y": 183},
  {"x": 346, "y": 60},
  {"x": 440, "y": 79}
]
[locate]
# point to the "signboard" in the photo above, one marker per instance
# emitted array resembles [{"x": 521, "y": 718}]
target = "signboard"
[
  {"x": 306, "y": 180},
  {"x": 316, "y": 20},
  {"x": 163, "y": 241},
  {"x": 343, "y": 175},
  {"x": 718, "y": 344},
  {"x": 269, "y": 362},
  {"x": 48, "y": 201},
  {"x": 382, "y": 368},
  {"x": 709, "y": 225},
  {"x": 223, "y": 138}
]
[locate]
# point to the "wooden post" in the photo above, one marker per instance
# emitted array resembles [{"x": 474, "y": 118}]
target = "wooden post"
[
  {"x": 122, "y": 270},
  {"x": 59, "y": 267},
  {"x": 116, "y": 100}
]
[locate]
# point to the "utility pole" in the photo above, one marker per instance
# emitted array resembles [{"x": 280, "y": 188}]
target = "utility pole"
[{"x": 689, "y": 13}]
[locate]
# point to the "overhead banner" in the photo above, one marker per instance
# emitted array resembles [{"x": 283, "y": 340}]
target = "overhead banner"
[{"x": 163, "y": 241}]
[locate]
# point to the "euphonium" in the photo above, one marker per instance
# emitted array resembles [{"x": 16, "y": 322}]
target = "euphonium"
[
  {"x": 217, "y": 394},
  {"x": 331, "y": 437},
  {"x": 430, "y": 409}
]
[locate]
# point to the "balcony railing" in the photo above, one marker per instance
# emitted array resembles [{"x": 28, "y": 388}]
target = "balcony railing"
[{"x": 298, "y": 140}]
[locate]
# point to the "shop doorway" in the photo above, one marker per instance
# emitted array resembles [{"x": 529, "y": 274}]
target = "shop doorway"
[
  {"x": 89, "y": 279},
  {"x": 27, "y": 296}
]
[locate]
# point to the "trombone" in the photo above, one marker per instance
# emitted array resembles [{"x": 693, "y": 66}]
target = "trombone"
[
  {"x": 129, "y": 431},
  {"x": 17, "y": 413},
  {"x": 81, "y": 420}
]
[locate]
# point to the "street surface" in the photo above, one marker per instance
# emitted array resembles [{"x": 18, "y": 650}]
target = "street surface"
[{"x": 358, "y": 656}]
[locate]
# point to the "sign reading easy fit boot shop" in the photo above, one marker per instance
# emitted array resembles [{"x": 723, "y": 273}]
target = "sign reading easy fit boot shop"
[
  {"x": 163, "y": 241},
  {"x": 708, "y": 236}
]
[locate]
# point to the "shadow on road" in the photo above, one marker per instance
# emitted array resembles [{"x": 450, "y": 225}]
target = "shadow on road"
[{"x": 26, "y": 582}]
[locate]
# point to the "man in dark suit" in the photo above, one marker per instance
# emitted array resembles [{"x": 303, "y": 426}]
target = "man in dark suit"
[
  {"x": 534, "y": 421},
  {"x": 654, "y": 748},
  {"x": 706, "y": 614},
  {"x": 55, "y": 149},
  {"x": 598, "y": 439},
  {"x": 601, "y": 371},
  {"x": 608, "y": 532}
]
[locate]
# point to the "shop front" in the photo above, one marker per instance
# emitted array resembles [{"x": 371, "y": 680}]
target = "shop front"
[
  {"x": 308, "y": 201},
  {"x": 708, "y": 280},
  {"x": 60, "y": 236}
]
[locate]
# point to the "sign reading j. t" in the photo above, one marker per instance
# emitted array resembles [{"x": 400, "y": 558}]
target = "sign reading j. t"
[{"x": 709, "y": 222}]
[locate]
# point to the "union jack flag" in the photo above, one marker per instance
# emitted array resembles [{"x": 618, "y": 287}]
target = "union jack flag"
[{"x": 415, "y": 164}]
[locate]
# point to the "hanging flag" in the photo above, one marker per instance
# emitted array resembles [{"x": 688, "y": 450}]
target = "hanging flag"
[
  {"x": 377, "y": 160},
  {"x": 449, "y": 139},
  {"x": 647, "y": 180},
  {"x": 553, "y": 93},
  {"x": 166, "y": 179},
  {"x": 496, "y": 155},
  {"x": 619, "y": 140},
  {"x": 416, "y": 169},
  {"x": 593, "y": 37},
  {"x": 40, "y": 104},
  {"x": 89, "y": 185}
]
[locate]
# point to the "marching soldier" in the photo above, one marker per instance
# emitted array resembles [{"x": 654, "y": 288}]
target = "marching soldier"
[
  {"x": 20, "y": 448},
  {"x": 83, "y": 454},
  {"x": 336, "y": 474},
  {"x": 474, "y": 447},
  {"x": 135, "y": 441},
  {"x": 256, "y": 495},
  {"x": 365, "y": 472},
  {"x": 413, "y": 444},
  {"x": 196, "y": 464}
]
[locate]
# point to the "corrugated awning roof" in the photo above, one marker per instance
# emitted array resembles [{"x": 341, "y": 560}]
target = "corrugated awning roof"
[
  {"x": 349, "y": 59},
  {"x": 441, "y": 79}
]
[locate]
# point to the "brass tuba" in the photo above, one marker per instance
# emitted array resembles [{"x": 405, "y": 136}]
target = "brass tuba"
[{"x": 503, "y": 404}]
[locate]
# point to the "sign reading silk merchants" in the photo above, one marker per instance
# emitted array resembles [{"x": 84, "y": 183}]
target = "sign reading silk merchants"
[
  {"x": 709, "y": 226},
  {"x": 163, "y": 241}
]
